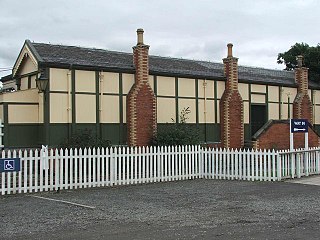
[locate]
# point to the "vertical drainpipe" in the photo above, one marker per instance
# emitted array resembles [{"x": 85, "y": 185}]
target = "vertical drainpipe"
[
  {"x": 100, "y": 100},
  {"x": 289, "y": 113},
  {"x": 47, "y": 109},
  {"x": 69, "y": 103},
  {"x": 313, "y": 95},
  {"x": 205, "y": 108}
]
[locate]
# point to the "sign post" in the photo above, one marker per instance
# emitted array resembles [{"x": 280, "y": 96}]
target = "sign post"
[{"x": 299, "y": 125}]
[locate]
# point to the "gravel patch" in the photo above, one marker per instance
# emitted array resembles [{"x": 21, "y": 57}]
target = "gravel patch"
[{"x": 194, "y": 209}]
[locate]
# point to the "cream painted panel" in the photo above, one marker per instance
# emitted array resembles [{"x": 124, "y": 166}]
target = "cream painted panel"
[
  {"x": 27, "y": 67},
  {"x": 23, "y": 114},
  {"x": 191, "y": 103},
  {"x": 284, "y": 110},
  {"x": 317, "y": 96},
  {"x": 246, "y": 110},
  {"x": 59, "y": 79},
  {"x": 218, "y": 111},
  {"x": 257, "y": 98},
  {"x": 273, "y": 94},
  {"x": 85, "y": 81},
  {"x": 186, "y": 87},
  {"x": 110, "y": 83},
  {"x": 127, "y": 82},
  {"x": 291, "y": 110},
  {"x": 29, "y": 95},
  {"x": 85, "y": 108},
  {"x": 166, "y": 86},
  {"x": 207, "y": 117},
  {"x": 59, "y": 108},
  {"x": 317, "y": 114},
  {"x": 124, "y": 107},
  {"x": 151, "y": 82},
  {"x": 273, "y": 111},
  {"x": 202, "y": 113},
  {"x": 220, "y": 88},
  {"x": 166, "y": 110},
  {"x": 291, "y": 92},
  {"x": 244, "y": 91},
  {"x": 1, "y": 113},
  {"x": 110, "y": 109},
  {"x": 209, "y": 88},
  {"x": 33, "y": 82},
  {"x": 258, "y": 88},
  {"x": 24, "y": 83}
]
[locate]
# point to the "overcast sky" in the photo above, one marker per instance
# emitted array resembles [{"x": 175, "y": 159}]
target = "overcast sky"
[{"x": 192, "y": 29}]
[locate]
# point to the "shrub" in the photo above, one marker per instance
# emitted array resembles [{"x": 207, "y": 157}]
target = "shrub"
[
  {"x": 84, "y": 139},
  {"x": 179, "y": 133}
]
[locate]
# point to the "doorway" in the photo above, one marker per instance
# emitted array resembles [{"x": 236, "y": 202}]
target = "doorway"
[{"x": 258, "y": 117}]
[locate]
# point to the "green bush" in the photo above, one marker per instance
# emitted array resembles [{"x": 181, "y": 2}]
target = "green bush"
[
  {"x": 179, "y": 133},
  {"x": 84, "y": 139}
]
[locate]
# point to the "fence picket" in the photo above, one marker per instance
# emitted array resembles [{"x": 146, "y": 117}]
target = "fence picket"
[{"x": 94, "y": 167}]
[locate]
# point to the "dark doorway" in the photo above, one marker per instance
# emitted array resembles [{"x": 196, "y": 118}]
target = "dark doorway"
[{"x": 258, "y": 117}]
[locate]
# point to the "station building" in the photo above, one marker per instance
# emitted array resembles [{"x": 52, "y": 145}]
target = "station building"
[{"x": 127, "y": 97}]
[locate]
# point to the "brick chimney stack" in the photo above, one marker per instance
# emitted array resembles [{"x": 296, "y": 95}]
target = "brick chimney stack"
[
  {"x": 302, "y": 106},
  {"x": 141, "y": 101},
  {"x": 231, "y": 105}
]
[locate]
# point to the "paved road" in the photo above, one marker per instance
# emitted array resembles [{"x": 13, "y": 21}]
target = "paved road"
[
  {"x": 311, "y": 180},
  {"x": 198, "y": 209}
]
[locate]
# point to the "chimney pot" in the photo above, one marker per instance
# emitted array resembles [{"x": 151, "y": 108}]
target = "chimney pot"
[
  {"x": 140, "y": 36},
  {"x": 299, "y": 60},
  {"x": 230, "y": 45}
]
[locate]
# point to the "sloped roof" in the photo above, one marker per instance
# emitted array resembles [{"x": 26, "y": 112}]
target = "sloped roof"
[{"x": 99, "y": 58}]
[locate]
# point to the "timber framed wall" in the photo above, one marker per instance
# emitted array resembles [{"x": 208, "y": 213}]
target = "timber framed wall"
[{"x": 96, "y": 100}]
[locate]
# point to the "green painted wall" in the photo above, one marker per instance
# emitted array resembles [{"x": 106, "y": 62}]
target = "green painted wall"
[
  {"x": 247, "y": 134},
  {"x": 22, "y": 135}
]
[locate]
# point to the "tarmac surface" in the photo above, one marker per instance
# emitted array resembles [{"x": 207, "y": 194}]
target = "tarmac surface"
[
  {"x": 193, "y": 209},
  {"x": 311, "y": 180}
]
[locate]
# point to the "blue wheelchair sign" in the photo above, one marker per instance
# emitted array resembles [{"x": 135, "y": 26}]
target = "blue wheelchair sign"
[{"x": 10, "y": 165}]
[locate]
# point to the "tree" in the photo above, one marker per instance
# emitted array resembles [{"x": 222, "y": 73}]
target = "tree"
[{"x": 311, "y": 59}]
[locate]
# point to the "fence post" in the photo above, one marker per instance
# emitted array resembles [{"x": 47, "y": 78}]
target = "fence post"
[
  {"x": 112, "y": 163},
  {"x": 317, "y": 153},
  {"x": 306, "y": 159},
  {"x": 278, "y": 166},
  {"x": 200, "y": 155}
]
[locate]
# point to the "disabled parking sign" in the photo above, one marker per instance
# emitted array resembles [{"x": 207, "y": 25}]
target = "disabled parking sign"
[{"x": 10, "y": 165}]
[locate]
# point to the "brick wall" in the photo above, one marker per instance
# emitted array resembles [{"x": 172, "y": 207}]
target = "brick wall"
[
  {"x": 141, "y": 101},
  {"x": 231, "y": 106},
  {"x": 276, "y": 136}
]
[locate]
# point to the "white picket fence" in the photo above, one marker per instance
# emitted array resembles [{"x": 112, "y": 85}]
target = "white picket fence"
[
  {"x": 300, "y": 162},
  {"x": 43, "y": 170}
]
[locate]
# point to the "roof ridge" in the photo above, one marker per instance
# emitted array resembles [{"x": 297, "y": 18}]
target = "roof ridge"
[{"x": 82, "y": 47}]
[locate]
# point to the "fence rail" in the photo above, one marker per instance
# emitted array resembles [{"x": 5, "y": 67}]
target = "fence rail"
[{"x": 48, "y": 170}]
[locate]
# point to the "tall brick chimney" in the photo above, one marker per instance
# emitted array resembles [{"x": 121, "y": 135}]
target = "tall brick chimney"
[
  {"x": 231, "y": 105},
  {"x": 141, "y": 101},
  {"x": 302, "y": 106}
]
